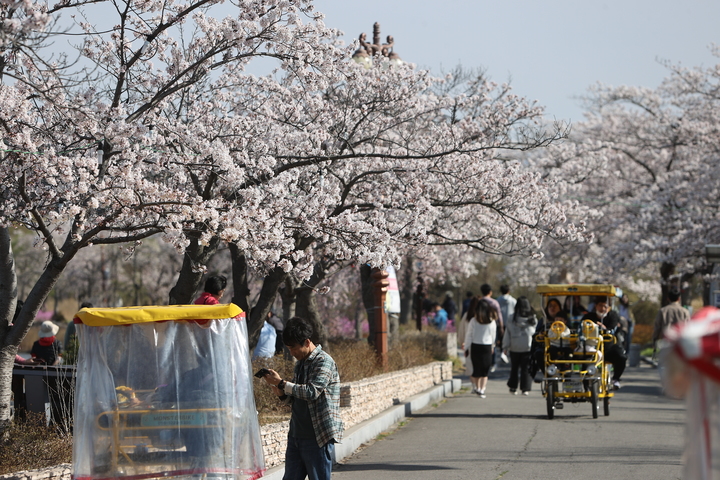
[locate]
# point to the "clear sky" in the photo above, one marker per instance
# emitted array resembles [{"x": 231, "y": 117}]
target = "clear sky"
[{"x": 552, "y": 50}]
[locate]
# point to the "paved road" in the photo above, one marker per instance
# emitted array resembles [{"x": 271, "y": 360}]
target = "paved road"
[{"x": 510, "y": 437}]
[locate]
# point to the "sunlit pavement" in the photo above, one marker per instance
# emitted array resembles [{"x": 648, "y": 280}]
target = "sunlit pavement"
[{"x": 509, "y": 436}]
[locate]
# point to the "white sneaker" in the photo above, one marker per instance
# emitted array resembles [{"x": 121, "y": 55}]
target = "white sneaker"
[
  {"x": 526, "y": 393},
  {"x": 616, "y": 385},
  {"x": 493, "y": 368},
  {"x": 482, "y": 395},
  {"x": 513, "y": 391}
]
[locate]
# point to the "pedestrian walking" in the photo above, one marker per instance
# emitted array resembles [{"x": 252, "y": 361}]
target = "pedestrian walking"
[
  {"x": 517, "y": 341},
  {"x": 480, "y": 337},
  {"x": 669, "y": 315},
  {"x": 507, "y": 303},
  {"x": 494, "y": 305},
  {"x": 462, "y": 330},
  {"x": 625, "y": 311}
]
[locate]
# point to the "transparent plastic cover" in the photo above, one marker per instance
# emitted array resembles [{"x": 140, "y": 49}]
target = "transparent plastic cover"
[{"x": 166, "y": 399}]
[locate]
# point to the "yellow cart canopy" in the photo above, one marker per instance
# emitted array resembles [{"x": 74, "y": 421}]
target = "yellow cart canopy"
[
  {"x": 103, "y": 317},
  {"x": 578, "y": 289}
]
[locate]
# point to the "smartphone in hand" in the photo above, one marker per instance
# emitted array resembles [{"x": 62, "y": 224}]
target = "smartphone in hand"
[{"x": 262, "y": 372}]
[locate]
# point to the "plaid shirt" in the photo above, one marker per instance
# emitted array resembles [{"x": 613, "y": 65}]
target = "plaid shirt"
[{"x": 321, "y": 391}]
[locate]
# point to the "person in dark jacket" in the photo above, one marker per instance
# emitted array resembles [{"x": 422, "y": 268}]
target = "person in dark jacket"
[
  {"x": 608, "y": 320},
  {"x": 46, "y": 350}
]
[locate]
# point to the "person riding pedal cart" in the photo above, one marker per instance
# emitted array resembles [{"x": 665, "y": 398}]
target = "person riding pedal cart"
[{"x": 609, "y": 321}]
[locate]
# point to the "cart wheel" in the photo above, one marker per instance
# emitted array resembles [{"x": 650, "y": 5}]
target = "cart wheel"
[
  {"x": 551, "y": 389},
  {"x": 594, "y": 399},
  {"x": 606, "y": 405}
]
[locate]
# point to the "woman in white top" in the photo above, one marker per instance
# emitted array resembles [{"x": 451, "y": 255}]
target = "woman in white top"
[{"x": 480, "y": 337}]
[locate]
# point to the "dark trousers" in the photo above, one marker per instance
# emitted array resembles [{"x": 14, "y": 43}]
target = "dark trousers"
[
  {"x": 303, "y": 458},
  {"x": 520, "y": 366},
  {"x": 615, "y": 354}
]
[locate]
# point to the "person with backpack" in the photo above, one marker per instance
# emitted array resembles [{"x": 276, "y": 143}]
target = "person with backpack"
[{"x": 518, "y": 338}]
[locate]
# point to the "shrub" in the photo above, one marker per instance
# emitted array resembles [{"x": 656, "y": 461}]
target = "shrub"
[
  {"x": 642, "y": 334},
  {"x": 31, "y": 444},
  {"x": 645, "y": 312}
]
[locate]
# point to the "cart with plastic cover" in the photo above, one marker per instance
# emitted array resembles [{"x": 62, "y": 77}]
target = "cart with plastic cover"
[
  {"x": 573, "y": 353},
  {"x": 165, "y": 392}
]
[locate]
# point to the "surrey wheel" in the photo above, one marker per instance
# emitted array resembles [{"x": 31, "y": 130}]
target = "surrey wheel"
[
  {"x": 606, "y": 405},
  {"x": 551, "y": 389},
  {"x": 594, "y": 399}
]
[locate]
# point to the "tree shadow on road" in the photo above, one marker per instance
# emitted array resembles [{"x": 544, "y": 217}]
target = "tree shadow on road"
[
  {"x": 490, "y": 415},
  {"x": 398, "y": 467}
]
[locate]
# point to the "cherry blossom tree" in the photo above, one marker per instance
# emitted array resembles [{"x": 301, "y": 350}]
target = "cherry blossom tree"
[
  {"x": 376, "y": 164},
  {"x": 645, "y": 160},
  {"x": 93, "y": 146},
  {"x": 156, "y": 129}
]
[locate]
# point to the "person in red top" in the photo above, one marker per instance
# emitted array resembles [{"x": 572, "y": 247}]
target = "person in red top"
[{"x": 214, "y": 290}]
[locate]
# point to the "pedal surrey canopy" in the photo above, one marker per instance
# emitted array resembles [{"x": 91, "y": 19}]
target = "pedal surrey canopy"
[{"x": 165, "y": 392}]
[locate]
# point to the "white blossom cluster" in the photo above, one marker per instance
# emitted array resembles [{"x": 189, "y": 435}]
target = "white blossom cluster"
[
  {"x": 645, "y": 162},
  {"x": 161, "y": 131}
]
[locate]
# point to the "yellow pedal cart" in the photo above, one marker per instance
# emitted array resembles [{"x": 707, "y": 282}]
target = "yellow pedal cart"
[{"x": 574, "y": 364}]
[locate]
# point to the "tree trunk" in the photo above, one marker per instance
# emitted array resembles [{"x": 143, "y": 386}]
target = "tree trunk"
[
  {"x": 685, "y": 291},
  {"x": 268, "y": 293},
  {"x": 418, "y": 300},
  {"x": 393, "y": 320},
  {"x": 358, "y": 320},
  {"x": 406, "y": 291},
  {"x": 8, "y": 300},
  {"x": 10, "y": 337},
  {"x": 7, "y": 360},
  {"x": 667, "y": 282},
  {"x": 707, "y": 284},
  {"x": 241, "y": 288},
  {"x": 306, "y": 306},
  {"x": 368, "y": 298},
  {"x": 8, "y": 280},
  {"x": 288, "y": 297},
  {"x": 188, "y": 282}
]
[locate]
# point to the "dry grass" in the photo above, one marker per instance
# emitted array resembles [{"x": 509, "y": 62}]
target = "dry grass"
[
  {"x": 30, "y": 444},
  {"x": 642, "y": 334}
]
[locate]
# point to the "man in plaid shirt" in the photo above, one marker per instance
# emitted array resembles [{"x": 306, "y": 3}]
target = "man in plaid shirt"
[{"x": 315, "y": 424}]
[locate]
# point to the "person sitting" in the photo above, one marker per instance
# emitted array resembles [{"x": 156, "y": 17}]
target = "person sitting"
[
  {"x": 214, "y": 290},
  {"x": 608, "y": 320},
  {"x": 553, "y": 312},
  {"x": 574, "y": 308}
]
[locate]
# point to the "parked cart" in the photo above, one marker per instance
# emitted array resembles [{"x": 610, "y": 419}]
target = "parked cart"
[{"x": 165, "y": 392}]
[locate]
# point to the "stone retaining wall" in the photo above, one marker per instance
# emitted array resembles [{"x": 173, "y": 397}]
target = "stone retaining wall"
[
  {"x": 364, "y": 399},
  {"x": 58, "y": 472},
  {"x": 359, "y": 401}
]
